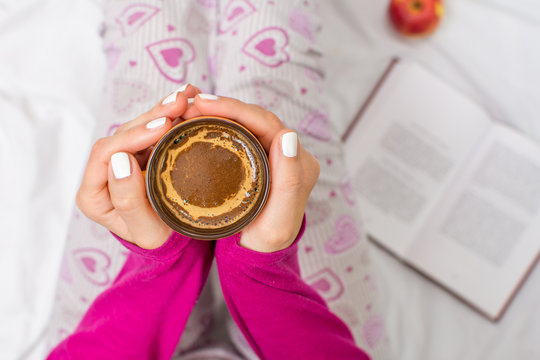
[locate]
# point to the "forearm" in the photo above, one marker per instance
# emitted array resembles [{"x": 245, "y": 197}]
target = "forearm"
[
  {"x": 142, "y": 315},
  {"x": 279, "y": 314}
]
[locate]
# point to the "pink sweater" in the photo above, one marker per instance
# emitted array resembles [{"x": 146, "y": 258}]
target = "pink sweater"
[{"x": 142, "y": 315}]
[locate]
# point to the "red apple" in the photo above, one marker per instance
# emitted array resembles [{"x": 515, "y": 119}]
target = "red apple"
[{"x": 415, "y": 17}]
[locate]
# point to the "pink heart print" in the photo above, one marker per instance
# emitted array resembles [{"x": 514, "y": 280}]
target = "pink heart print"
[
  {"x": 134, "y": 16},
  {"x": 313, "y": 75},
  {"x": 269, "y": 93},
  {"x": 196, "y": 22},
  {"x": 208, "y": 3},
  {"x": 316, "y": 124},
  {"x": 317, "y": 212},
  {"x": 268, "y": 46},
  {"x": 373, "y": 330},
  {"x": 327, "y": 284},
  {"x": 301, "y": 23},
  {"x": 171, "y": 57},
  {"x": 93, "y": 264},
  {"x": 346, "y": 235},
  {"x": 347, "y": 191},
  {"x": 127, "y": 92},
  {"x": 235, "y": 12},
  {"x": 112, "y": 54}
]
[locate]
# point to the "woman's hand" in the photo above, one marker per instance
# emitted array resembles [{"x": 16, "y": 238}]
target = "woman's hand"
[
  {"x": 294, "y": 172},
  {"x": 113, "y": 191}
]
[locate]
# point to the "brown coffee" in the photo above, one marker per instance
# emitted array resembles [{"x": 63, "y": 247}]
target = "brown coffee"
[{"x": 209, "y": 175}]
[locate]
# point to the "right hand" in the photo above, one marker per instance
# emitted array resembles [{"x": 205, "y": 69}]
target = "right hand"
[{"x": 121, "y": 204}]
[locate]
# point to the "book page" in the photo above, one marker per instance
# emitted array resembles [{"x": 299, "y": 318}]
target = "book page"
[
  {"x": 406, "y": 149},
  {"x": 486, "y": 234}
]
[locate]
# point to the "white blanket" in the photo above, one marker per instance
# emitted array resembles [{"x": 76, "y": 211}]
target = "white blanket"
[{"x": 51, "y": 71}]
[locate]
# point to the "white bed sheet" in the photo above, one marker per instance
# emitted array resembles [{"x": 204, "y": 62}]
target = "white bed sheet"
[{"x": 51, "y": 69}]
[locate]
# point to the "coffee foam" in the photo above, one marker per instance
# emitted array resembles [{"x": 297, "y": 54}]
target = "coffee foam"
[{"x": 233, "y": 208}]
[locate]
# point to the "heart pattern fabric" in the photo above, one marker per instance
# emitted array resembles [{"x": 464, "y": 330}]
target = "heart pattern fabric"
[
  {"x": 65, "y": 272},
  {"x": 270, "y": 93},
  {"x": 196, "y": 22},
  {"x": 317, "y": 212},
  {"x": 267, "y": 62},
  {"x": 112, "y": 54},
  {"x": 127, "y": 92},
  {"x": 235, "y": 12},
  {"x": 327, "y": 284},
  {"x": 98, "y": 231},
  {"x": 134, "y": 16},
  {"x": 171, "y": 57},
  {"x": 301, "y": 23},
  {"x": 347, "y": 191},
  {"x": 316, "y": 125},
  {"x": 346, "y": 235},
  {"x": 268, "y": 46},
  {"x": 210, "y": 4},
  {"x": 94, "y": 265},
  {"x": 373, "y": 330}
]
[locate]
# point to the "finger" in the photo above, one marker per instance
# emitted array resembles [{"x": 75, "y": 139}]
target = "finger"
[
  {"x": 132, "y": 140},
  {"x": 191, "y": 112},
  {"x": 262, "y": 123},
  {"x": 172, "y": 106},
  {"x": 143, "y": 156},
  {"x": 141, "y": 225},
  {"x": 188, "y": 90},
  {"x": 286, "y": 192}
]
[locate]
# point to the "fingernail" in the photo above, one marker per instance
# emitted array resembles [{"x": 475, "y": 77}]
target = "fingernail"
[
  {"x": 156, "y": 123},
  {"x": 190, "y": 100},
  {"x": 208, "y": 96},
  {"x": 121, "y": 165},
  {"x": 172, "y": 97},
  {"x": 289, "y": 144}
]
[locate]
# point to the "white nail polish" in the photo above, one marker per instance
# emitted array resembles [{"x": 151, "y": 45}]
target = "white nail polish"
[
  {"x": 208, "y": 96},
  {"x": 120, "y": 165},
  {"x": 190, "y": 100},
  {"x": 289, "y": 144},
  {"x": 156, "y": 123},
  {"x": 172, "y": 97}
]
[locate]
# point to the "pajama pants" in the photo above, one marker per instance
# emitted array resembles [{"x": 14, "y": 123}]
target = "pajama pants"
[{"x": 263, "y": 52}]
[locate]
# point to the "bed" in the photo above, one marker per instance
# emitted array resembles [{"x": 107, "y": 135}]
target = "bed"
[{"x": 51, "y": 69}]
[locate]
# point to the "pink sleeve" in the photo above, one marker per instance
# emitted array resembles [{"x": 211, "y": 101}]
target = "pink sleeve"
[
  {"x": 279, "y": 314},
  {"x": 142, "y": 315}
]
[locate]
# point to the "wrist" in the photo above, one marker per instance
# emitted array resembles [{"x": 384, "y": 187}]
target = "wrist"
[
  {"x": 173, "y": 245},
  {"x": 273, "y": 240}
]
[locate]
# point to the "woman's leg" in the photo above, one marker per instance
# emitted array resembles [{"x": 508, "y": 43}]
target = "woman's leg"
[
  {"x": 266, "y": 53},
  {"x": 152, "y": 48}
]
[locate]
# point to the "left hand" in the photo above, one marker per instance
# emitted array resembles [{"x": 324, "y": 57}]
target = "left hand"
[{"x": 292, "y": 177}]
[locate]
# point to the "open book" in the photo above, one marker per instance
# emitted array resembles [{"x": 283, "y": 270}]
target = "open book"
[{"x": 445, "y": 188}]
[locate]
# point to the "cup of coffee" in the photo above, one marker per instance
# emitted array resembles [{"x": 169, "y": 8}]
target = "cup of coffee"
[{"x": 208, "y": 177}]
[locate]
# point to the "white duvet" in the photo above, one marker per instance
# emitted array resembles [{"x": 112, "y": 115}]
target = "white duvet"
[{"x": 51, "y": 70}]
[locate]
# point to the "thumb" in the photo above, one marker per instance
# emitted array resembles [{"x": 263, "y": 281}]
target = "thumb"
[
  {"x": 137, "y": 221},
  {"x": 282, "y": 215}
]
